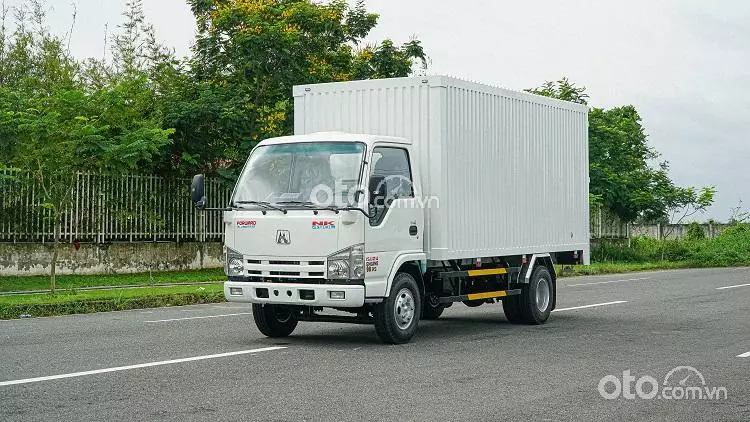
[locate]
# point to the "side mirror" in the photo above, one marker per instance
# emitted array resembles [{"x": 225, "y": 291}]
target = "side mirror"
[
  {"x": 357, "y": 196},
  {"x": 197, "y": 191},
  {"x": 378, "y": 191}
]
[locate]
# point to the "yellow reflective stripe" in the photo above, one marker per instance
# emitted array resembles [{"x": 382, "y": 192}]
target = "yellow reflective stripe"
[
  {"x": 490, "y": 271},
  {"x": 488, "y": 295}
]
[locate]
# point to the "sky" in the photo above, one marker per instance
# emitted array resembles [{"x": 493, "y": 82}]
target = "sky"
[{"x": 684, "y": 64}]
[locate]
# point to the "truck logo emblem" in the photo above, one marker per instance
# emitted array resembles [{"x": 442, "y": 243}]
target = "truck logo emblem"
[
  {"x": 246, "y": 224},
  {"x": 282, "y": 237},
  {"x": 323, "y": 225}
]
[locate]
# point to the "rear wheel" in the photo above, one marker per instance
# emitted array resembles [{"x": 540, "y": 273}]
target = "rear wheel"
[
  {"x": 512, "y": 310},
  {"x": 397, "y": 317},
  {"x": 535, "y": 301},
  {"x": 274, "y": 320}
]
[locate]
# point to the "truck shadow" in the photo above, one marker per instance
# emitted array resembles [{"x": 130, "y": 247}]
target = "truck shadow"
[{"x": 447, "y": 329}]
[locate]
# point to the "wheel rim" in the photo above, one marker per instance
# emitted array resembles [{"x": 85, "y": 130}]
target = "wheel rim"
[
  {"x": 542, "y": 294},
  {"x": 403, "y": 309}
]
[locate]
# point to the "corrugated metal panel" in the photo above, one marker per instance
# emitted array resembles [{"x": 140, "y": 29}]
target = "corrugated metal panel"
[{"x": 509, "y": 169}]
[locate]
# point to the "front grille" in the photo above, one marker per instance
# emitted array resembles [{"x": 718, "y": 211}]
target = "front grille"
[
  {"x": 297, "y": 280},
  {"x": 276, "y": 268}
]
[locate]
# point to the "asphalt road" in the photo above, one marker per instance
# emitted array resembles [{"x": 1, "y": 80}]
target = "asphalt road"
[{"x": 469, "y": 365}]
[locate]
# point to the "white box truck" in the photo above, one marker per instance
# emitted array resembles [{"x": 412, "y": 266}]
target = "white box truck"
[{"x": 396, "y": 198}]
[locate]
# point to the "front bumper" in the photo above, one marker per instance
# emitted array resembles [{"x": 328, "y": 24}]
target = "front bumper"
[{"x": 294, "y": 294}]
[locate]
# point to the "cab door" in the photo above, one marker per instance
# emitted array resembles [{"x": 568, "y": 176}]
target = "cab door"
[{"x": 397, "y": 224}]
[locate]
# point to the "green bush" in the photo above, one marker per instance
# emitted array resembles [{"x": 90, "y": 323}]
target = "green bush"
[
  {"x": 695, "y": 231},
  {"x": 732, "y": 247}
]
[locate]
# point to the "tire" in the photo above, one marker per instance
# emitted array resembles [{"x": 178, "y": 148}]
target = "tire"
[
  {"x": 397, "y": 317},
  {"x": 511, "y": 309},
  {"x": 537, "y": 297},
  {"x": 274, "y": 320},
  {"x": 432, "y": 308}
]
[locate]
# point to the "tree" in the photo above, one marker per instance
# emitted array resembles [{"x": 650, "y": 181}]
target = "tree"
[
  {"x": 248, "y": 55},
  {"x": 737, "y": 215},
  {"x": 54, "y": 126},
  {"x": 562, "y": 90},
  {"x": 683, "y": 203},
  {"x": 72, "y": 132}
]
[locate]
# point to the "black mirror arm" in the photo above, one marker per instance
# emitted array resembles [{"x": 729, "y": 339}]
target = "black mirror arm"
[{"x": 360, "y": 210}]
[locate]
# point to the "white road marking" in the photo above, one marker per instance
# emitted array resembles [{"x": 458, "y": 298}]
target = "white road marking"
[
  {"x": 590, "y": 306},
  {"x": 138, "y": 366},
  {"x": 744, "y": 355},
  {"x": 732, "y": 287},
  {"x": 199, "y": 317},
  {"x": 605, "y": 282}
]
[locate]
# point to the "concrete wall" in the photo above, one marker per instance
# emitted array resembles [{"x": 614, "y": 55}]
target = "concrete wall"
[
  {"x": 610, "y": 229},
  {"x": 34, "y": 258}
]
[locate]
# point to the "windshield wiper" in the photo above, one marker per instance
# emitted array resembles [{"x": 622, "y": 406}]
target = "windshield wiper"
[
  {"x": 306, "y": 204},
  {"x": 266, "y": 205},
  {"x": 334, "y": 208},
  {"x": 312, "y": 206}
]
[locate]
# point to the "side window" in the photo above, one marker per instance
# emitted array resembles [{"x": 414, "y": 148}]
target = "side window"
[{"x": 390, "y": 179}]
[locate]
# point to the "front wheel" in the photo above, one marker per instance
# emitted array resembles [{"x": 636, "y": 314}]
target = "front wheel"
[
  {"x": 274, "y": 320},
  {"x": 397, "y": 317}
]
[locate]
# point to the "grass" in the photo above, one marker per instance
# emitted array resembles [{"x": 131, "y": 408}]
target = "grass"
[
  {"x": 78, "y": 302},
  {"x": 25, "y": 283},
  {"x": 598, "y": 268},
  {"x": 731, "y": 248}
]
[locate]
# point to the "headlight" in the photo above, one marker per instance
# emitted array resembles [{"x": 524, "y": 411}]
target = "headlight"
[
  {"x": 338, "y": 269},
  {"x": 233, "y": 266},
  {"x": 347, "y": 264}
]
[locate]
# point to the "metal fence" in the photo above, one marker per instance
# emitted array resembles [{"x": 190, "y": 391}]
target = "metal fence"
[
  {"x": 109, "y": 208},
  {"x": 129, "y": 208}
]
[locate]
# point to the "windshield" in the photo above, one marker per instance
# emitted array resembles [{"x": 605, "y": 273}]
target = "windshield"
[{"x": 319, "y": 173}]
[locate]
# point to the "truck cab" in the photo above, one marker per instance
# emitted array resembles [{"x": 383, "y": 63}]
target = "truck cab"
[{"x": 319, "y": 221}]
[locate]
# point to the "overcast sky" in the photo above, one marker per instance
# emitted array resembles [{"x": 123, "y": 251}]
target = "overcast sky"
[{"x": 685, "y": 64}]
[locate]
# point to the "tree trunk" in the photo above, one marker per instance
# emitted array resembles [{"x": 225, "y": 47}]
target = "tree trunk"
[
  {"x": 53, "y": 267},
  {"x": 55, "y": 251}
]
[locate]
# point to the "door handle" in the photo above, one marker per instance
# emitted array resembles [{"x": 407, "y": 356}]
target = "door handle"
[{"x": 413, "y": 230}]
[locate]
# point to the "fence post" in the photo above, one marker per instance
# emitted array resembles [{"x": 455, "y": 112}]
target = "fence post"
[{"x": 627, "y": 232}]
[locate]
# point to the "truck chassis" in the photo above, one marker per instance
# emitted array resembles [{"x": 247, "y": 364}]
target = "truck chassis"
[{"x": 525, "y": 287}]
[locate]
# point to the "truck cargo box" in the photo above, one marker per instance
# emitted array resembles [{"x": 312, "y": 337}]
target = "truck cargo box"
[{"x": 507, "y": 171}]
